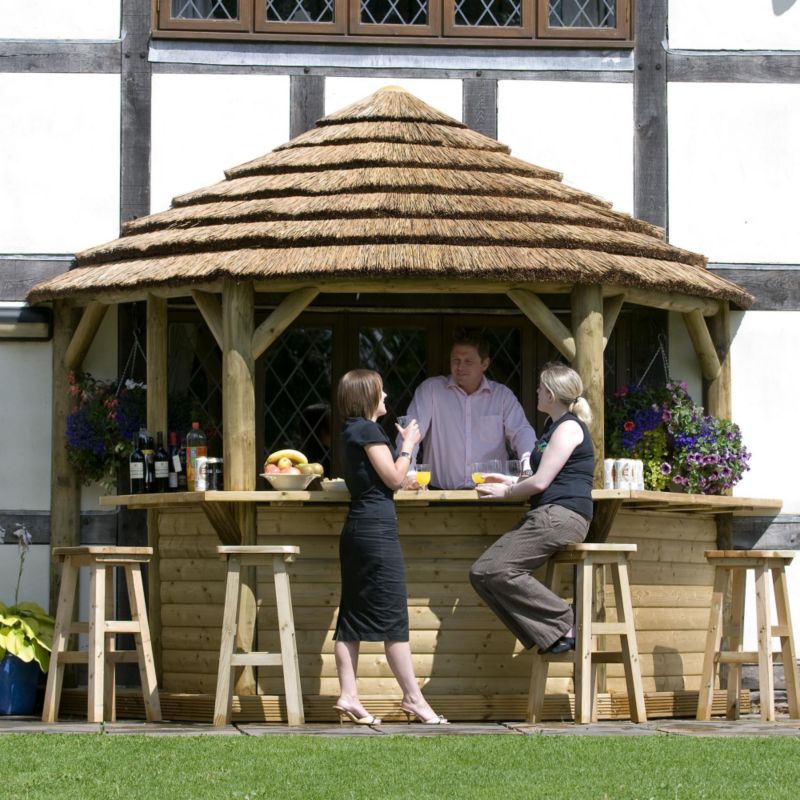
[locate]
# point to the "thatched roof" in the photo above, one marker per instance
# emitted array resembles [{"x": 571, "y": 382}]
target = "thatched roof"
[{"x": 388, "y": 188}]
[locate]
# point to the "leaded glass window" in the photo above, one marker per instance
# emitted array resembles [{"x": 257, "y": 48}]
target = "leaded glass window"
[
  {"x": 582, "y": 13},
  {"x": 394, "y": 12},
  {"x": 489, "y": 13},
  {"x": 300, "y": 11},
  {"x": 205, "y": 9}
]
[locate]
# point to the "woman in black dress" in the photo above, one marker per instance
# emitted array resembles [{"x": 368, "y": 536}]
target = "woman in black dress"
[{"x": 374, "y": 603}]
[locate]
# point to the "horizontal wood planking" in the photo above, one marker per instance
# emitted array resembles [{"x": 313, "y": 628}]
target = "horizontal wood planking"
[
  {"x": 733, "y": 67},
  {"x": 775, "y": 287},
  {"x": 60, "y": 56}
]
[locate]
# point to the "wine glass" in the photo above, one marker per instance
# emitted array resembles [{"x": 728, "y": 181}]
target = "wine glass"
[
  {"x": 513, "y": 468},
  {"x": 493, "y": 467},
  {"x": 423, "y": 475}
]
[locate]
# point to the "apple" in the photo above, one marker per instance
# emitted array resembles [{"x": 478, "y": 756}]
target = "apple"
[
  {"x": 284, "y": 463},
  {"x": 290, "y": 471},
  {"x": 271, "y": 469},
  {"x": 316, "y": 469}
]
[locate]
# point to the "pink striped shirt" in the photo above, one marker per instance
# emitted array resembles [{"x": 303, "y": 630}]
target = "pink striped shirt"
[{"x": 459, "y": 429}]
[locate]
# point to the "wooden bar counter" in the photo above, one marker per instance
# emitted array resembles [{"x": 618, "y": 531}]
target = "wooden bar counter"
[{"x": 471, "y": 667}]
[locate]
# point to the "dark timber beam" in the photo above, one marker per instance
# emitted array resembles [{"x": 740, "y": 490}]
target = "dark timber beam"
[
  {"x": 733, "y": 67},
  {"x": 46, "y": 56},
  {"x": 479, "y": 103},
  {"x": 306, "y": 102}
]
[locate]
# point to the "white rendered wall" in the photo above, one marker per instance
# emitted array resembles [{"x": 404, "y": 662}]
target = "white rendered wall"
[
  {"x": 60, "y": 19},
  {"x": 583, "y": 130},
  {"x": 59, "y": 170},
  {"x": 734, "y": 168},
  {"x": 35, "y": 585},
  {"x": 683, "y": 364},
  {"x": 734, "y": 25},
  {"x": 205, "y": 124},
  {"x": 443, "y": 94}
]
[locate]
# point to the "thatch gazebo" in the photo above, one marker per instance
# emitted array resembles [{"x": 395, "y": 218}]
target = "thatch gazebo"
[{"x": 386, "y": 196}]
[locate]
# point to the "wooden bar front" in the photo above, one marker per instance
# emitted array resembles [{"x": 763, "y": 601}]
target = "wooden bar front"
[{"x": 470, "y": 666}]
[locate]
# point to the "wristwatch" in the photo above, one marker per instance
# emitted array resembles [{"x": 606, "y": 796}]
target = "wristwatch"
[{"x": 405, "y": 454}]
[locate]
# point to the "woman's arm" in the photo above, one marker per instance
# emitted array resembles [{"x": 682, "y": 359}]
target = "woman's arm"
[
  {"x": 393, "y": 471},
  {"x": 565, "y": 439}
]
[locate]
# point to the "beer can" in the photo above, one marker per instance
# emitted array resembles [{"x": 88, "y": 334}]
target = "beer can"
[
  {"x": 214, "y": 481},
  {"x": 623, "y": 473},
  {"x": 608, "y": 473},
  {"x": 638, "y": 474},
  {"x": 201, "y": 476}
]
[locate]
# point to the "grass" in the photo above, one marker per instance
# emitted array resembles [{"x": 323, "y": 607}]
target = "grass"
[{"x": 439, "y": 768}]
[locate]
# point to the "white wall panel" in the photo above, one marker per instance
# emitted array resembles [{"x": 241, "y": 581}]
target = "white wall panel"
[
  {"x": 35, "y": 584},
  {"x": 766, "y": 385},
  {"x": 444, "y": 95},
  {"x": 204, "y": 124},
  {"x": 58, "y": 19},
  {"x": 734, "y": 168},
  {"x": 683, "y": 364},
  {"x": 59, "y": 170},
  {"x": 734, "y": 25},
  {"x": 583, "y": 130}
]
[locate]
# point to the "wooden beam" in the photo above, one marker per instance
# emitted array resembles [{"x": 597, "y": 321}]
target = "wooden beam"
[
  {"x": 239, "y": 446},
  {"x": 281, "y": 318},
  {"x": 611, "y": 308},
  {"x": 667, "y": 301},
  {"x": 587, "y": 324},
  {"x": 84, "y": 334},
  {"x": 414, "y": 286},
  {"x": 545, "y": 320},
  {"x": 211, "y": 309},
  {"x": 157, "y": 340},
  {"x": 65, "y": 492},
  {"x": 718, "y": 391},
  {"x": 703, "y": 345}
]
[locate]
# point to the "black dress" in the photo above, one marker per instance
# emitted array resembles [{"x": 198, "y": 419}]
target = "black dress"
[{"x": 374, "y": 602}]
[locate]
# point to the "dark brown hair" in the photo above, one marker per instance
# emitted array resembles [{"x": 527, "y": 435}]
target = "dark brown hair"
[
  {"x": 472, "y": 338},
  {"x": 359, "y": 393}
]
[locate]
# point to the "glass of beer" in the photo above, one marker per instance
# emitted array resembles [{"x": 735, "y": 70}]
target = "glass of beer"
[{"x": 423, "y": 475}]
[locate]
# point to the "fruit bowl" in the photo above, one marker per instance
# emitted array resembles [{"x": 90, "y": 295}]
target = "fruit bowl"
[{"x": 288, "y": 482}]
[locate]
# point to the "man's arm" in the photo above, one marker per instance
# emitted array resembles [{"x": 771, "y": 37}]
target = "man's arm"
[
  {"x": 421, "y": 409},
  {"x": 518, "y": 430}
]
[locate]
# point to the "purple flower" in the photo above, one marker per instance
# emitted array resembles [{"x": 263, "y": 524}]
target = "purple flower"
[{"x": 665, "y": 468}]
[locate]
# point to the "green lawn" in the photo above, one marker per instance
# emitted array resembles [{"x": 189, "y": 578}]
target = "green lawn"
[{"x": 173, "y": 768}]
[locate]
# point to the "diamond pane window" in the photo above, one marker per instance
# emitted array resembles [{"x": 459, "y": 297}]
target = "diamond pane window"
[
  {"x": 394, "y": 12},
  {"x": 297, "y": 393},
  {"x": 506, "y": 354},
  {"x": 205, "y": 9},
  {"x": 300, "y": 11},
  {"x": 400, "y": 356},
  {"x": 583, "y": 13},
  {"x": 490, "y": 13}
]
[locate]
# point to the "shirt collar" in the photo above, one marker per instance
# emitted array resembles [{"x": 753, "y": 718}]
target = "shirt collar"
[{"x": 484, "y": 386}]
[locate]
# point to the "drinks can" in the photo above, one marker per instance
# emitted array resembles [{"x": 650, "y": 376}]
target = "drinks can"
[
  {"x": 200, "y": 474},
  {"x": 623, "y": 473},
  {"x": 608, "y": 473},
  {"x": 213, "y": 473},
  {"x": 638, "y": 474}
]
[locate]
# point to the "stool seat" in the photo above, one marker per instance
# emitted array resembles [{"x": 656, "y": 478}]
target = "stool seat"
[
  {"x": 730, "y": 572},
  {"x": 278, "y": 556},
  {"x": 102, "y": 655},
  {"x": 586, "y": 656}
]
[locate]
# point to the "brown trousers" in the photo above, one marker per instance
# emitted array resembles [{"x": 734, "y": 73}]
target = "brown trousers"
[{"x": 502, "y": 575}]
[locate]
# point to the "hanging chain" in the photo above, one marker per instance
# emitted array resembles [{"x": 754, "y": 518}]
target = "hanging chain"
[
  {"x": 130, "y": 363},
  {"x": 661, "y": 350}
]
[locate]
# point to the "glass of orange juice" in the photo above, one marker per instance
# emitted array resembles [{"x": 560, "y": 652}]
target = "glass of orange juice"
[
  {"x": 478, "y": 472},
  {"x": 423, "y": 475}
]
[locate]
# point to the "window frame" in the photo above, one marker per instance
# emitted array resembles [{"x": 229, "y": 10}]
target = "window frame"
[
  {"x": 338, "y": 26},
  {"x": 621, "y": 31},
  {"x": 524, "y": 31},
  {"x": 432, "y": 29},
  {"x": 163, "y": 11}
]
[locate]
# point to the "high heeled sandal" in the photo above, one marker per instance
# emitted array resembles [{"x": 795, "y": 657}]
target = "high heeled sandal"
[
  {"x": 437, "y": 719},
  {"x": 344, "y": 713}
]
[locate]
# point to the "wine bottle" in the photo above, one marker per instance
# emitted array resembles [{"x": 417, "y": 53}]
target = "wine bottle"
[
  {"x": 183, "y": 473},
  {"x": 161, "y": 465},
  {"x": 137, "y": 468},
  {"x": 174, "y": 461},
  {"x": 148, "y": 451}
]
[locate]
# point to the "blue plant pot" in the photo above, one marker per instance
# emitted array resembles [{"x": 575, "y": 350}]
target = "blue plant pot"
[{"x": 18, "y": 682}]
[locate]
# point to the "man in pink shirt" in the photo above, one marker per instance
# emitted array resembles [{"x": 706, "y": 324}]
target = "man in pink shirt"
[{"x": 465, "y": 418}]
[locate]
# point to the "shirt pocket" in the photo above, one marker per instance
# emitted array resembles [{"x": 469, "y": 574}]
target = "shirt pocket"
[{"x": 490, "y": 429}]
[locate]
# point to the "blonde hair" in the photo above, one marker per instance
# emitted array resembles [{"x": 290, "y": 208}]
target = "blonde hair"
[
  {"x": 567, "y": 387},
  {"x": 359, "y": 393}
]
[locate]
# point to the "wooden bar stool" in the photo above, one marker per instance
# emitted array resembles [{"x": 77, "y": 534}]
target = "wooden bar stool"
[
  {"x": 246, "y": 556},
  {"x": 730, "y": 571},
  {"x": 102, "y": 655},
  {"x": 586, "y": 656}
]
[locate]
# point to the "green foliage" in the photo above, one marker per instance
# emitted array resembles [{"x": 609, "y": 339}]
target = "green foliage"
[{"x": 26, "y": 631}]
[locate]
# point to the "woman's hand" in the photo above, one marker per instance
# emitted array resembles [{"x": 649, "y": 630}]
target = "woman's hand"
[
  {"x": 492, "y": 489},
  {"x": 496, "y": 477}
]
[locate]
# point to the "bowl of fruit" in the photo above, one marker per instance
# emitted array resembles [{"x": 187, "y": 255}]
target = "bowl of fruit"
[{"x": 289, "y": 471}]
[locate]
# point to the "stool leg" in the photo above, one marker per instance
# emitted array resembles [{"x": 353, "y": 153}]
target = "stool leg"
[
  {"x": 765, "y": 676},
  {"x": 110, "y": 683},
  {"x": 630, "y": 649},
  {"x": 291, "y": 667},
  {"x": 144, "y": 648},
  {"x": 224, "y": 698},
  {"x": 55, "y": 673},
  {"x": 705, "y": 696},
  {"x": 784, "y": 616},
  {"x": 97, "y": 640},
  {"x": 735, "y": 633},
  {"x": 583, "y": 642}
]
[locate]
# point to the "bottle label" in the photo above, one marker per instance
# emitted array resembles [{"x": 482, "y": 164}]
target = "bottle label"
[
  {"x": 173, "y": 480},
  {"x": 162, "y": 469},
  {"x": 176, "y": 463},
  {"x": 192, "y": 454},
  {"x": 137, "y": 470}
]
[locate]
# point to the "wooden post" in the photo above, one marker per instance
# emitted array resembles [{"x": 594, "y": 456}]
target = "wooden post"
[
  {"x": 553, "y": 329},
  {"x": 65, "y": 492},
  {"x": 157, "y": 340},
  {"x": 239, "y": 445},
  {"x": 587, "y": 328},
  {"x": 717, "y": 392}
]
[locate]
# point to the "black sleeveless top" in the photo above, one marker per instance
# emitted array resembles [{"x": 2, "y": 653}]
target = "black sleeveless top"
[
  {"x": 369, "y": 495},
  {"x": 572, "y": 487}
]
